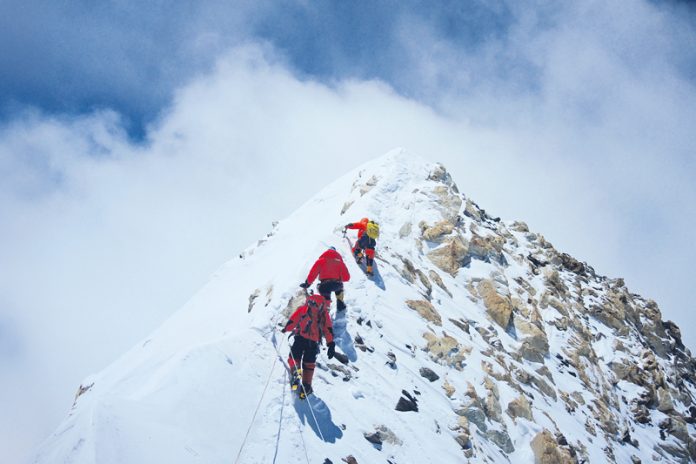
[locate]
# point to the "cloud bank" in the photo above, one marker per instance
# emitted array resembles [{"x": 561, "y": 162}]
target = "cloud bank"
[{"x": 577, "y": 119}]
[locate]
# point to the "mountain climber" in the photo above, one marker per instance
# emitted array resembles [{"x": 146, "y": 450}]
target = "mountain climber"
[
  {"x": 368, "y": 231},
  {"x": 309, "y": 323},
  {"x": 332, "y": 272}
]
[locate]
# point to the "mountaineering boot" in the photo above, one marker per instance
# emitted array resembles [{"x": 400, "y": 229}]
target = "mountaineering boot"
[
  {"x": 306, "y": 390},
  {"x": 307, "y": 374},
  {"x": 368, "y": 271},
  {"x": 357, "y": 254},
  {"x": 340, "y": 305},
  {"x": 296, "y": 380}
]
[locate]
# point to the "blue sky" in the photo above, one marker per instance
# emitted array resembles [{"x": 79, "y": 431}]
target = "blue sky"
[{"x": 143, "y": 145}]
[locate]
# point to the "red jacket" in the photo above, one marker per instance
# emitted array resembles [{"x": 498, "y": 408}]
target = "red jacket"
[
  {"x": 312, "y": 320},
  {"x": 329, "y": 266},
  {"x": 360, "y": 226}
]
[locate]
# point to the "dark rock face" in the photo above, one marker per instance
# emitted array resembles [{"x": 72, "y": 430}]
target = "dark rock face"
[
  {"x": 374, "y": 438},
  {"x": 429, "y": 374},
  {"x": 407, "y": 402}
]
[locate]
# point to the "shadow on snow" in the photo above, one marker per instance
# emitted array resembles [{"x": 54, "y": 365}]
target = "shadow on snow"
[
  {"x": 343, "y": 338},
  {"x": 324, "y": 426}
]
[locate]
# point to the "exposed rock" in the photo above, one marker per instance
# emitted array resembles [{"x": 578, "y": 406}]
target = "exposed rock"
[
  {"x": 382, "y": 434},
  {"x": 543, "y": 387},
  {"x": 391, "y": 360},
  {"x": 543, "y": 370},
  {"x": 346, "y": 206},
  {"x": 677, "y": 428},
  {"x": 409, "y": 270},
  {"x": 426, "y": 310},
  {"x": 520, "y": 407},
  {"x": 297, "y": 300},
  {"x": 571, "y": 264},
  {"x": 407, "y": 402},
  {"x": 499, "y": 307},
  {"x": 462, "y": 324},
  {"x": 448, "y": 200},
  {"x": 520, "y": 226},
  {"x": 492, "y": 405},
  {"x": 664, "y": 401},
  {"x": 440, "y": 174},
  {"x": 81, "y": 390},
  {"x": 475, "y": 415},
  {"x": 535, "y": 348},
  {"x": 641, "y": 414},
  {"x": 371, "y": 182},
  {"x": 463, "y": 440},
  {"x": 472, "y": 211},
  {"x": 435, "y": 277},
  {"x": 502, "y": 439},
  {"x": 437, "y": 232},
  {"x": 554, "y": 281},
  {"x": 487, "y": 248},
  {"x": 340, "y": 371},
  {"x": 252, "y": 299},
  {"x": 674, "y": 452},
  {"x": 446, "y": 350},
  {"x": 449, "y": 389},
  {"x": 547, "y": 451},
  {"x": 373, "y": 438},
  {"x": 350, "y": 459},
  {"x": 428, "y": 374},
  {"x": 426, "y": 283},
  {"x": 451, "y": 255}
]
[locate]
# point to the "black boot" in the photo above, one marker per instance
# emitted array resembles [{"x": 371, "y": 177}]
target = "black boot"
[{"x": 306, "y": 390}]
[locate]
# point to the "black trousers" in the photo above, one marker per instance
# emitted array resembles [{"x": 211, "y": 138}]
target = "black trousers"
[
  {"x": 366, "y": 243},
  {"x": 304, "y": 349},
  {"x": 325, "y": 288}
]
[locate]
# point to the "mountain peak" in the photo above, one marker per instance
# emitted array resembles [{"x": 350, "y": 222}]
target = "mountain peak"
[{"x": 475, "y": 339}]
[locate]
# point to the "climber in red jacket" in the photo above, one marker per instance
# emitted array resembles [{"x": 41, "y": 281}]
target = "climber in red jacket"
[
  {"x": 309, "y": 323},
  {"x": 332, "y": 272},
  {"x": 368, "y": 231}
]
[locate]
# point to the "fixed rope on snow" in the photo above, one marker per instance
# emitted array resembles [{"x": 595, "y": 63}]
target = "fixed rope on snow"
[{"x": 270, "y": 374}]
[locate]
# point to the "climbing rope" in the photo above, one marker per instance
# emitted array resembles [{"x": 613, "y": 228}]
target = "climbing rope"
[
  {"x": 280, "y": 421},
  {"x": 287, "y": 370},
  {"x": 270, "y": 374}
]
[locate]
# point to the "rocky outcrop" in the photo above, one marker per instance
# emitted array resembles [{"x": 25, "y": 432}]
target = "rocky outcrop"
[
  {"x": 428, "y": 374},
  {"x": 407, "y": 402},
  {"x": 426, "y": 310},
  {"x": 547, "y": 450},
  {"x": 382, "y": 434},
  {"x": 502, "y": 439},
  {"x": 437, "y": 232},
  {"x": 520, "y": 407},
  {"x": 435, "y": 277},
  {"x": 499, "y": 307},
  {"x": 488, "y": 248},
  {"x": 451, "y": 255},
  {"x": 535, "y": 345},
  {"x": 446, "y": 350}
]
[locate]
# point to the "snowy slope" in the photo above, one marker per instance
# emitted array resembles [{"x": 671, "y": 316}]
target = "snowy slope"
[{"x": 537, "y": 357}]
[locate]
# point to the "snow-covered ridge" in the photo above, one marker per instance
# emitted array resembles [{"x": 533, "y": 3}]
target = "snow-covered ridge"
[{"x": 509, "y": 350}]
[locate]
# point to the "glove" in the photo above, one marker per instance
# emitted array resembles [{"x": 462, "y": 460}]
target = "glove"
[
  {"x": 304, "y": 284},
  {"x": 332, "y": 350}
]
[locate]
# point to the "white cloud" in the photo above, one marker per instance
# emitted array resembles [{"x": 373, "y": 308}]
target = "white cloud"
[{"x": 101, "y": 239}]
